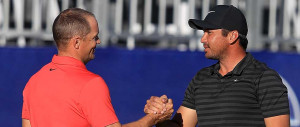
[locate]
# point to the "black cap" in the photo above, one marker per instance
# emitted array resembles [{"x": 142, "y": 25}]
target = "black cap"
[{"x": 222, "y": 17}]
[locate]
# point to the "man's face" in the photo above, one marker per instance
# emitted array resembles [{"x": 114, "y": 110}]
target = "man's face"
[
  {"x": 214, "y": 43},
  {"x": 88, "y": 46}
]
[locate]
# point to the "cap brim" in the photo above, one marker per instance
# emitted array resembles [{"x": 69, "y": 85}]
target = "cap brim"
[{"x": 201, "y": 25}]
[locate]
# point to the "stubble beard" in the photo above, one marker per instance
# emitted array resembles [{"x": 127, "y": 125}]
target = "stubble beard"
[
  {"x": 212, "y": 56},
  {"x": 216, "y": 55}
]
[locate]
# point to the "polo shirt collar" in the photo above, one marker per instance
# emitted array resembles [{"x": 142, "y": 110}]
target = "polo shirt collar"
[
  {"x": 66, "y": 60},
  {"x": 238, "y": 69},
  {"x": 243, "y": 64}
]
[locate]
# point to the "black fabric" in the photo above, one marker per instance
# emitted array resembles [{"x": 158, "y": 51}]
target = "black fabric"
[
  {"x": 243, "y": 97},
  {"x": 222, "y": 17}
]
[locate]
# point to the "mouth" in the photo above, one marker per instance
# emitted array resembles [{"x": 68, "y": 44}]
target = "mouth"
[
  {"x": 93, "y": 50},
  {"x": 206, "y": 47}
]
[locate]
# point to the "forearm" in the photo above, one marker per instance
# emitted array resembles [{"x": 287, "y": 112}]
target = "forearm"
[
  {"x": 147, "y": 121},
  {"x": 278, "y": 121}
]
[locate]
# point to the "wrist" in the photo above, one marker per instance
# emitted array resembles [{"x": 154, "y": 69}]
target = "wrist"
[{"x": 149, "y": 120}]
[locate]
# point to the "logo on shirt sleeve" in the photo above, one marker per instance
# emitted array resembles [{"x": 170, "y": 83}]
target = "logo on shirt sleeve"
[{"x": 52, "y": 69}]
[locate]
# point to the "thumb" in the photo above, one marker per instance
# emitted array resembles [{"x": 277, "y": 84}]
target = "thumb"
[{"x": 164, "y": 98}]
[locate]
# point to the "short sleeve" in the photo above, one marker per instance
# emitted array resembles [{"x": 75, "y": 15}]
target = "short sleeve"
[
  {"x": 189, "y": 97},
  {"x": 272, "y": 94},
  {"x": 96, "y": 103},
  {"x": 25, "y": 108}
]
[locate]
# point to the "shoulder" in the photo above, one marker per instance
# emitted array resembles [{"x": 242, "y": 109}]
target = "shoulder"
[
  {"x": 36, "y": 75},
  {"x": 42, "y": 70},
  {"x": 264, "y": 76},
  {"x": 254, "y": 68},
  {"x": 202, "y": 75},
  {"x": 205, "y": 72},
  {"x": 95, "y": 87},
  {"x": 95, "y": 82},
  {"x": 84, "y": 76},
  {"x": 262, "y": 69},
  {"x": 96, "y": 79}
]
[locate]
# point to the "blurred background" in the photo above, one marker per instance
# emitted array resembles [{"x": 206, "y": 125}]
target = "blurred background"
[{"x": 147, "y": 48}]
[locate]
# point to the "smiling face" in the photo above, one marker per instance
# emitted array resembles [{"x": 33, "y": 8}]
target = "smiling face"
[
  {"x": 89, "y": 42},
  {"x": 215, "y": 44}
]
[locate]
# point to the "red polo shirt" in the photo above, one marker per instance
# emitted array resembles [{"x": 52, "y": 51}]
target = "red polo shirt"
[{"x": 65, "y": 94}]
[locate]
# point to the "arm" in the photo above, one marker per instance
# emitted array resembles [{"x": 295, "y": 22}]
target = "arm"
[
  {"x": 147, "y": 121},
  {"x": 273, "y": 98},
  {"x": 185, "y": 117},
  {"x": 152, "y": 118},
  {"x": 26, "y": 123},
  {"x": 278, "y": 121}
]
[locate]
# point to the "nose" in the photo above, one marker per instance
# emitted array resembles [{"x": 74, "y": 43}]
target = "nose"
[
  {"x": 98, "y": 41},
  {"x": 204, "y": 38}
]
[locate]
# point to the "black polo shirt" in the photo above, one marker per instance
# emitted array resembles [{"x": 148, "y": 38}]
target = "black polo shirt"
[{"x": 243, "y": 97}]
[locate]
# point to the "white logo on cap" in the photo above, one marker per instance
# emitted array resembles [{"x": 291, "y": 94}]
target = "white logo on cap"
[{"x": 211, "y": 12}]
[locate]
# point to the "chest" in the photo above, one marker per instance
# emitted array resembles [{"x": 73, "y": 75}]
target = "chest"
[
  {"x": 227, "y": 101},
  {"x": 226, "y": 91}
]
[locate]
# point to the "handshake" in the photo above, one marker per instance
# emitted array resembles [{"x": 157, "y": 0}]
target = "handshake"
[{"x": 161, "y": 108}]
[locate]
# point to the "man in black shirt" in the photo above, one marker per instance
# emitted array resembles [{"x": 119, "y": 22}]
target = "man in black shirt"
[{"x": 236, "y": 91}]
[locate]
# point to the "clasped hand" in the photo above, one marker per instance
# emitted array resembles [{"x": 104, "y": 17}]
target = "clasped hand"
[{"x": 162, "y": 107}]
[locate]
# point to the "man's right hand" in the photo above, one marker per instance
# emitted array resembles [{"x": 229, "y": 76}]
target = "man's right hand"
[{"x": 161, "y": 106}]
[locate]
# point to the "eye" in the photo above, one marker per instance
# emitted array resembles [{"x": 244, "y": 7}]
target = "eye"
[
  {"x": 96, "y": 38},
  {"x": 207, "y": 31}
]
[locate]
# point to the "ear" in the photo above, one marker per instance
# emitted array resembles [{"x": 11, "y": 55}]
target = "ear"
[
  {"x": 75, "y": 41},
  {"x": 233, "y": 36}
]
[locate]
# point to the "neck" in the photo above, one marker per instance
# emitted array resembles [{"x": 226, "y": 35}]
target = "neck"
[
  {"x": 69, "y": 54},
  {"x": 228, "y": 63}
]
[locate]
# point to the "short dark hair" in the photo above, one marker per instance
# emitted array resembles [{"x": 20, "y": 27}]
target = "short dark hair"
[
  {"x": 69, "y": 23},
  {"x": 243, "y": 40}
]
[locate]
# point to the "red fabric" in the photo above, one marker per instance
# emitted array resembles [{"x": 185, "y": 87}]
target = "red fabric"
[{"x": 65, "y": 94}]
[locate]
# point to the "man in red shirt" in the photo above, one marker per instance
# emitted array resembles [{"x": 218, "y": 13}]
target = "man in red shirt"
[{"x": 64, "y": 93}]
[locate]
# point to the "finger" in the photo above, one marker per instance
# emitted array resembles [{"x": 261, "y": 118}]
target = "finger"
[
  {"x": 154, "y": 107},
  {"x": 153, "y": 98},
  {"x": 157, "y": 103},
  {"x": 169, "y": 105},
  {"x": 157, "y": 100},
  {"x": 153, "y": 110},
  {"x": 164, "y": 98},
  {"x": 148, "y": 111},
  {"x": 161, "y": 100},
  {"x": 148, "y": 107},
  {"x": 167, "y": 115},
  {"x": 170, "y": 100},
  {"x": 168, "y": 109}
]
